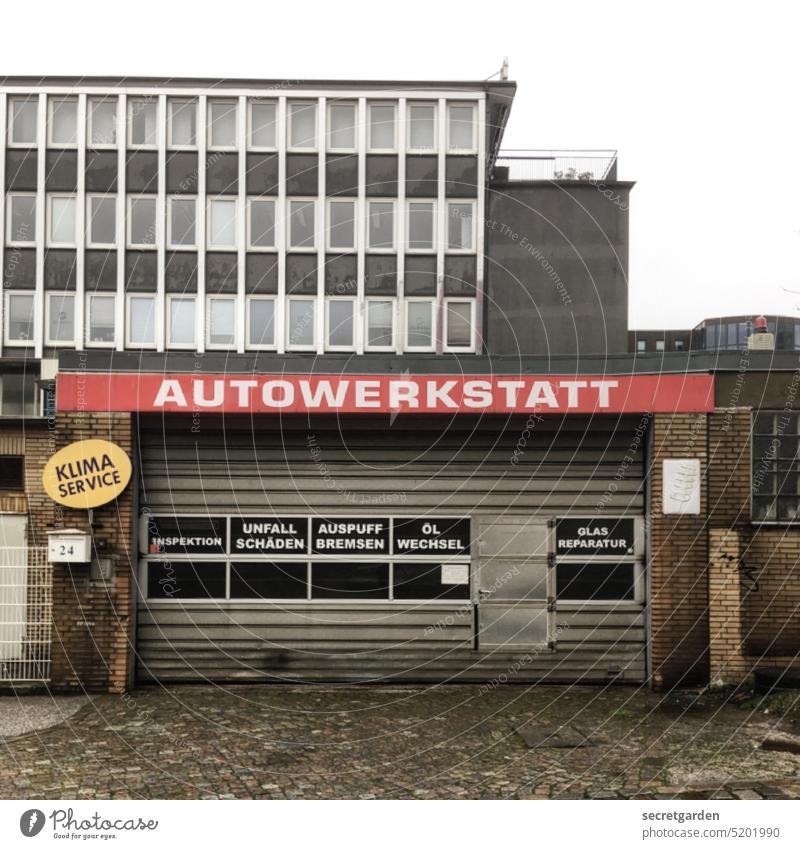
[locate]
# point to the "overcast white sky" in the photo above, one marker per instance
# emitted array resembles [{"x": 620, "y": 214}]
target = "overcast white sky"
[{"x": 700, "y": 99}]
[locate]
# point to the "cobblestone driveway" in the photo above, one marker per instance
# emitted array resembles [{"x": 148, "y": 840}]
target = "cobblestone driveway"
[{"x": 452, "y": 742}]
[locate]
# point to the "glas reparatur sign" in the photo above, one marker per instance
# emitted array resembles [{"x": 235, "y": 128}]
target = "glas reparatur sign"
[
  {"x": 270, "y": 535},
  {"x": 87, "y": 474},
  {"x": 606, "y": 537},
  {"x": 439, "y": 536}
]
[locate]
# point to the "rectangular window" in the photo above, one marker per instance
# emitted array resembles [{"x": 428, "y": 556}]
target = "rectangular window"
[
  {"x": 659, "y": 345},
  {"x": 419, "y": 325},
  {"x": 141, "y": 221},
  {"x": 421, "y": 127},
  {"x": 340, "y": 325},
  {"x": 459, "y": 321},
  {"x": 23, "y": 119},
  {"x": 176, "y": 579},
  {"x": 263, "y": 124},
  {"x": 303, "y": 125},
  {"x": 424, "y": 581},
  {"x": 379, "y": 320},
  {"x": 460, "y": 226},
  {"x": 182, "y": 218},
  {"x": 12, "y": 473},
  {"x": 222, "y": 223},
  {"x": 21, "y": 219},
  {"x": 61, "y": 221},
  {"x": 221, "y": 322},
  {"x": 641, "y": 345},
  {"x": 142, "y": 122},
  {"x": 102, "y": 115},
  {"x": 60, "y": 319},
  {"x": 421, "y": 225},
  {"x": 101, "y": 216},
  {"x": 260, "y": 322},
  {"x": 302, "y": 224},
  {"x": 342, "y": 127},
  {"x": 300, "y": 323},
  {"x": 182, "y": 123},
  {"x": 63, "y": 123},
  {"x": 141, "y": 321},
  {"x": 181, "y": 321},
  {"x": 269, "y": 580},
  {"x": 100, "y": 320},
  {"x": 18, "y": 394},
  {"x": 341, "y": 224},
  {"x": 776, "y": 467},
  {"x": 461, "y": 128},
  {"x": 380, "y": 225},
  {"x": 261, "y": 223},
  {"x": 222, "y": 124},
  {"x": 354, "y": 581},
  {"x": 595, "y": 581},
  {"x": 382, "y": 133},
  {"x": 19, "y": 318}
]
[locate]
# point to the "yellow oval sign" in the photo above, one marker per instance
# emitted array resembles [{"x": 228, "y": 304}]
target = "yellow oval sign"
[{"x": 87, "y": 474}]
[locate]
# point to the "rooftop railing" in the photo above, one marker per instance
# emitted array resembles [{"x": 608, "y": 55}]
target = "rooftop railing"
[{"x": 578, "y": 165}]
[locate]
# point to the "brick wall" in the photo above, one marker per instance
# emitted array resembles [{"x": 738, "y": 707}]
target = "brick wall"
[
  {"x": 678, "y": 561},
  {"x": 92, "y": 616}
]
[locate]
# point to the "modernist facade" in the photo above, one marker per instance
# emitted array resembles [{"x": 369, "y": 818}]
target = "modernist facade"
[{"x": 372, "y": 375}]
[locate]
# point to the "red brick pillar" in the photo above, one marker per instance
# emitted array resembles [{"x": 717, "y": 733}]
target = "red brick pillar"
[{"x": 678, "y": 560}]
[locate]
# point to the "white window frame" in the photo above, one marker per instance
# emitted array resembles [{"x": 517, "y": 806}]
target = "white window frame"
[
  {"x": 10, "y": 121},
  {"x": 434, "y": 247},
  {"x": 143, "y": 346},
  {"x": 230, "y": 102},
  {"x": 315, "y": 307},
  {"x": 129, "y": 123},
  {"x": 446, "y": 236},
  {"x": 393, "y": 248},
  {"x": 93, "y": 145},
  {"x": 354, "y": 304},
  {"x": 63, "y": 343},
  {"x": 462, "y": 349},
  {"x": 210, "y": 246},
  {"x": 90, "y": 296},
  {"x": 370, "y": 106},
  {"x": 393, "y": 302},
  {"x": 181, "y": 346},
  {"x": 304, "y": 102},
  {"x": 89, "y": 198},
  {"x": 51, "y": 102},
  {"x": 419, "y": 348},
  {"x": 289, "y": 247},
  {"x": 51, "y": 196},
  {"x": 463, "y": 150},
  {"x": 354, "y": 106},
  {"x": 250, "y": 245},
  {"x": 151, "y": 246},
  {"x": 7, "y": 340},
  {"x": 423, "y": 150},
  {"x": 259, "y": 347},
  {"x": 261, "y": 101},
  {"x": 197, "y": 128},
  {"x": 16, "y": 242},
  {"x": 170, "y": 200},
  {"x": 328, "y": 218},
  {"x": 216, "y": 346}
]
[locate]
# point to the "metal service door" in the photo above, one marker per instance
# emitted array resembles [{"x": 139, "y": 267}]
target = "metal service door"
[{"x": 513, "y": 583}]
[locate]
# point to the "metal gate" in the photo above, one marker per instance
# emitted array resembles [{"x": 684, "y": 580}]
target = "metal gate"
[{"x": 26, "y": 608}]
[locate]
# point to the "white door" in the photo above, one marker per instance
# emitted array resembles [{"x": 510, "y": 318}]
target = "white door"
[{"x": 13, "y": 585}]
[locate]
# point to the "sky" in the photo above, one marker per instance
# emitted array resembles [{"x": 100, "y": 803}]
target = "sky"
[{"x": 700, "y": 99}]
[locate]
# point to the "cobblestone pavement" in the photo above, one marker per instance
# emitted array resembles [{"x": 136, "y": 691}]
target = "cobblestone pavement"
[{"x": 446, "y": 742}]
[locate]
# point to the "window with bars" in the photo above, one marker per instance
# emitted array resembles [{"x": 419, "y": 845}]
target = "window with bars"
[{"x": 776, "y": 467}]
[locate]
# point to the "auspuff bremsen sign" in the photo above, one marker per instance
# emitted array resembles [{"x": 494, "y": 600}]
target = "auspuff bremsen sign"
[{"x": 87, "y": 474}]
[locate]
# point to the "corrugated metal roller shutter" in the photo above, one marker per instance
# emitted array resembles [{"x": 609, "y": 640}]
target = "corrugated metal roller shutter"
[{"x": 362, "y": 466}]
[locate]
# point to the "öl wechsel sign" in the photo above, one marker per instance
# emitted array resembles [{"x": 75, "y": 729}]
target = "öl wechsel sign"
[{"x": 87, "y": 474}]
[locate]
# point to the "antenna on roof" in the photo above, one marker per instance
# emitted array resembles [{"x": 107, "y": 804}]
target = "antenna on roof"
[{"x": 504, "y": 69}]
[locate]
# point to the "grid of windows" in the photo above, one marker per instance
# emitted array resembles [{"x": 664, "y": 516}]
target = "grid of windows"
[
  {"x": 168, "y": 214},
  {"x": 776, "y": 467}
]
